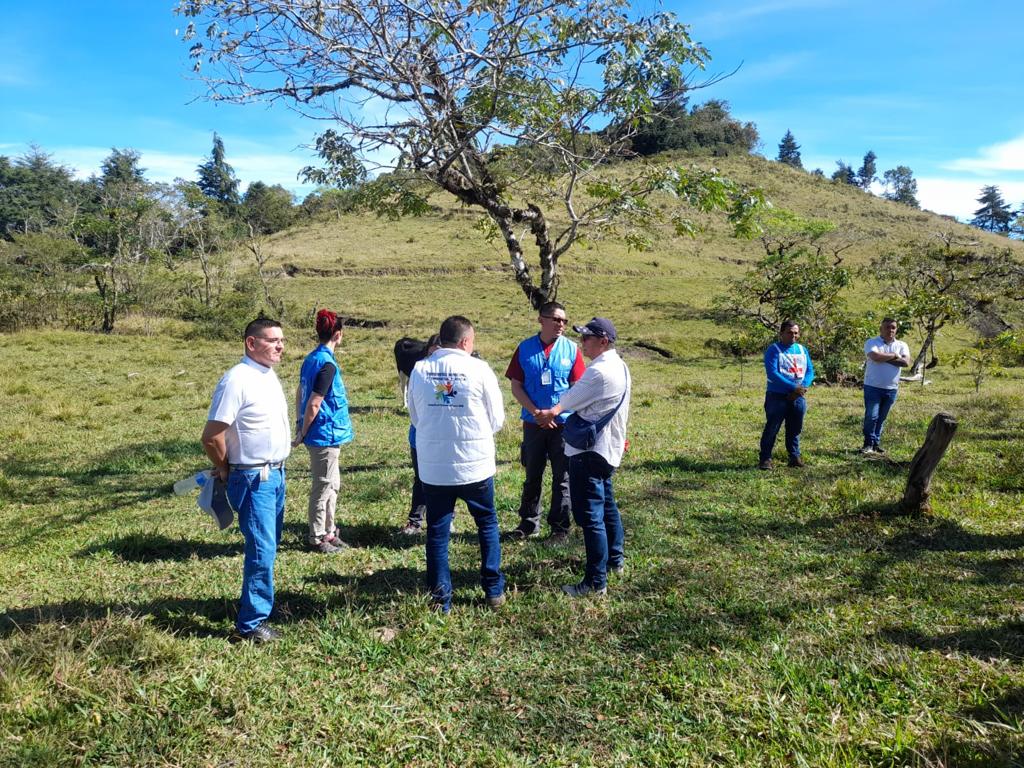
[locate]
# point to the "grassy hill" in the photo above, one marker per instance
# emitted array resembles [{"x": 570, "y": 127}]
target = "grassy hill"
[{"x": 776, "y": 619}]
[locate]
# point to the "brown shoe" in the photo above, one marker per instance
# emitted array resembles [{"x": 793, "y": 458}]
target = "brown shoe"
[
  {"x": 766, "y": 465},
  {"x": 796, "y": 461}
]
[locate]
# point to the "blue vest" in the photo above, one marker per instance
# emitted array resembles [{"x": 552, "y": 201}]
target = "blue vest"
[
  {"x": 534, "y": 364},
  {"x": 332, "y": 425}
]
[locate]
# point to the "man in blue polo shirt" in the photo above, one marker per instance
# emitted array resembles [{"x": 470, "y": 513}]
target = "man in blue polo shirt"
[
  {"x": 541, "y": 370},
  {"x": 790, "y": 373}
]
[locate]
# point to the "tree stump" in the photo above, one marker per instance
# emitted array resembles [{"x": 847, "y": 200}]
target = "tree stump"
[{"x": 927, "y": 458}]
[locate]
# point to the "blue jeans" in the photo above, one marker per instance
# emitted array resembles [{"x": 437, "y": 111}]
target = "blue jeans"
[
  {"x": 260, "y": 507},
  {"x": 597, "y": 515},
  {"x": 778, "y": 410},
  {"x": 877, "y": 403},
  {"x": 479, "y": 498}
]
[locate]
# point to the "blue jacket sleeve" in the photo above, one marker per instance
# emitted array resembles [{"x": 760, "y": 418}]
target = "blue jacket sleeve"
[
  {"x": 809, "y": 375},
  {"x": 771, "y": 369}
]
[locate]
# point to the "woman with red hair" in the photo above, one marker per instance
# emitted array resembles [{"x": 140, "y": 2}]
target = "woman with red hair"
[{"x": 323, "y": 425}]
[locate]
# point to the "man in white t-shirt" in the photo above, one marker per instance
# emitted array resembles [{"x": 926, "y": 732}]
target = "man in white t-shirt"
[
  {"x": 455, "y": 405},
  {"x": 248, "y": 437},
  {"x": 886, "y": 357}
]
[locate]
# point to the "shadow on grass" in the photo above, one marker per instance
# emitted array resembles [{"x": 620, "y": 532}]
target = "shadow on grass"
[
  {"x": 150, "y": 548},
  {"x": 1004, "y": 642},
  {"x": 396, "y": 410},
  {"x": 692, "y": 464},
  {"x": 925, "y": 535},
  {"x": 214, "y": 617}
]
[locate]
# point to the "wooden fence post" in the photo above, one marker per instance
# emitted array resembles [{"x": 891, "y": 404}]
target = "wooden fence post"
[{"x": 927, "y": 458}]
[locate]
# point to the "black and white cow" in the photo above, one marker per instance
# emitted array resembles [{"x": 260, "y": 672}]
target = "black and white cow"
[{"x": 408, "y": 352}]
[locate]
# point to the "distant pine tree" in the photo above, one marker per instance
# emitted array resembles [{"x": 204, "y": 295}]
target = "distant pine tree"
[
  {"x": 994, "y": 214},
  {"x": 867, "y": 171},
  {"x": 901, "y": 186},
  {"x": 789, "y": 151},
  {"x": 844, "y": 174},
  {"x": 217, "y": 178}
]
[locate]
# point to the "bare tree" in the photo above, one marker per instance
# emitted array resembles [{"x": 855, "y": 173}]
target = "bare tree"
[
  {"x": 948, "y": 281},
  {"x": 472, "y": 97}
]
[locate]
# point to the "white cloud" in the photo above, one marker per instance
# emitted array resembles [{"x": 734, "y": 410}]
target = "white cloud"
[
  {"x": 1002, "y": 157},
  {"x": 721, "y": 23},
  {"x": 959, "y": 197},
  {"x": 267, "y": 166}
]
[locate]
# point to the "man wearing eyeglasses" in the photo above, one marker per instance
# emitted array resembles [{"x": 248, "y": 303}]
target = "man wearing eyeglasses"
[
  {"x": 541, "y": 370},
  {"x": 248, "y": 437}
]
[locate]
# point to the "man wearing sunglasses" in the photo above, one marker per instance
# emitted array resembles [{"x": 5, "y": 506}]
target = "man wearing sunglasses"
[{"x": 542, "y": 369}]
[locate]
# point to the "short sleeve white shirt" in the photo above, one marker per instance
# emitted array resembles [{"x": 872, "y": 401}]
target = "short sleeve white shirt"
[
  {"x": 250, "y": 400},
  {"x": 883, "y": 375}
]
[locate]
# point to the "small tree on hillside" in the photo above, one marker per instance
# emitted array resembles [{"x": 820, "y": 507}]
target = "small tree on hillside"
[
  {"x": 844, "y": 174},
  {"x": 267, "y": 209},
  {"x": 451, "y": 83},
  {"x": 901, "y": 186},
  {"x": 217, "y": 178},
  {"x": 801, "y": 277},
  {"x": 789, "y": 151},
  {"x": 946, "y": 281},
  {"x": 868, "y": 169},
  {"x": 994, "y": 214}
]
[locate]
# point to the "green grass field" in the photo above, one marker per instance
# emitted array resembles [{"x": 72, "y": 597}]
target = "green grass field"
[{"x": 777, "y": 619}]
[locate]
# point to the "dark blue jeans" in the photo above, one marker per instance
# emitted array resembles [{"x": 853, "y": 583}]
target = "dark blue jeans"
[
  {"x": 877, "y": 404},
  {"x": 479, "y": 498},
  {"x": 260, "y": 507},
  {"x": 540, "y": 446},
  {"x": 778, "y": 410},
  {"x": 595, "y": 512}
]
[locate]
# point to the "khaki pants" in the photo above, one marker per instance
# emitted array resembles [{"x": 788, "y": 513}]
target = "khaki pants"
[{"x": 323, "y": 495}]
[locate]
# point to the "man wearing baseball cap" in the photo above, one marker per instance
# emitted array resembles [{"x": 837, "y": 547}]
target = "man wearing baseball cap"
[{"x": 603, "y": 391}]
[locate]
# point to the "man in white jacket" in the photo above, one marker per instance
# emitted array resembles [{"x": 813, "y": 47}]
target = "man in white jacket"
[
  {"x": 456, "y": 406},
  {"x": 603, "y": 392}
]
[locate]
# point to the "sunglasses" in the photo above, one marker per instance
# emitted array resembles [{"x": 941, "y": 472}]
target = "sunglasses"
[{"x": 559, "y": 320}]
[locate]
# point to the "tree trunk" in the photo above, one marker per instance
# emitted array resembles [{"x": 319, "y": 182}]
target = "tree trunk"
[{"x": 922, "y": 467}]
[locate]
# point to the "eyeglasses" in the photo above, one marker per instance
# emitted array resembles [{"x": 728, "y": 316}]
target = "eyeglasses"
[
  {"x": 271, "y": 339},
  {"x": 559, "y": 320}
]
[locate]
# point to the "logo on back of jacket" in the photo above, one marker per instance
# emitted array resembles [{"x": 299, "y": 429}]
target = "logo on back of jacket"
[{"x": 445, "y": 392}]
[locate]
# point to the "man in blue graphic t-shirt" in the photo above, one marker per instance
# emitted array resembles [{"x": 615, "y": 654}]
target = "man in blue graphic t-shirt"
[
  {"x": 541, "y": 370},
  {"x": 790, "y": 374}
]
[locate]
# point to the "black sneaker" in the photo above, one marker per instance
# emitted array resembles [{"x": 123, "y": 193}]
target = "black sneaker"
[
  {"x": 584, "y": 590},
  {"x": 879, "y": 449},
  {"x": 520, "y": 534},
  {"x": 264, "y": 633}
]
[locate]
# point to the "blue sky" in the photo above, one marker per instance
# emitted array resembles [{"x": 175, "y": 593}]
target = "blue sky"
[{"x": 933, "y": 85}]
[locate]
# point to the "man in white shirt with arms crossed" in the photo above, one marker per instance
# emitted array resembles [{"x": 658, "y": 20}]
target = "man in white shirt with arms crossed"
[{"x": 886, "y": 357}]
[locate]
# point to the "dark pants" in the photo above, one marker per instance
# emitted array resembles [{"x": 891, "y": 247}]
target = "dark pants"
[
  {"x": 479, "y": 498},
  {"x": 418, "y": 507},
  {"x": 538, "y": 448},
  {"x": 596, "y": 513},
  {"x": 779, "y": 409},
  {"x": 877, "y": 403}
]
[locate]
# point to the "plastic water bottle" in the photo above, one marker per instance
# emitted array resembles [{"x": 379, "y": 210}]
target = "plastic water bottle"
[{"x": 190, "y": 483}]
